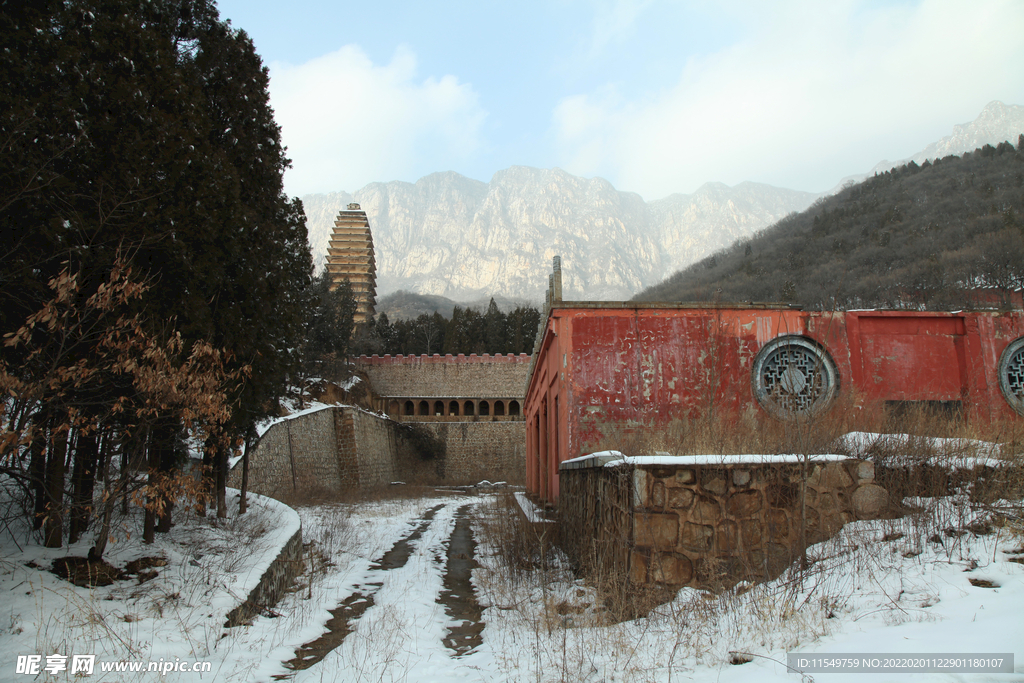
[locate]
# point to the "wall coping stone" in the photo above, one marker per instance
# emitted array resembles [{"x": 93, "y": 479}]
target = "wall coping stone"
[
  {"x": 400, "y": 359},
  {"x": 617, "y": 459}
]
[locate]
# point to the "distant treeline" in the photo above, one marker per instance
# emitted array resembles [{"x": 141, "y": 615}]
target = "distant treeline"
[
  {"x": 943, "y": 235},
  {"x": 467, "y": 331}
]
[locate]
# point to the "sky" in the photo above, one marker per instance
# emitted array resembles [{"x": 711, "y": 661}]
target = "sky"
[{"x": 656, "y": 96}]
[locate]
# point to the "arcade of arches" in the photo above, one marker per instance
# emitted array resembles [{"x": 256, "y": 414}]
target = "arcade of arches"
[{"x": 461, "y": 408}]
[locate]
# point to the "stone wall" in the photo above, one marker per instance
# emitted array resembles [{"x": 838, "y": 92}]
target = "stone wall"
[
  {"x": 446, "y": 376},
  {"x": 477, "y": 451},
  {"x": 324, "y": 452},
  {"x": 275, "y": 581},
  {"x": 709, "y": 524},
  {"x": 479, "y": 422}
]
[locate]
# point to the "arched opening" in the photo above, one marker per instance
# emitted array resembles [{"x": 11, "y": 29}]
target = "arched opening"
[
  {"x": 499, "y": 408},
  {"x": 410, "y": 408},
  {"x": 438, "y": 407},
  {"x": 424, "y": 408},
  {"x": 485, "y": 408},
  {"x": 393, "y": 407},
  {"x": 513, "y": 407},
  {"x": 469, "y": 409},
  {"x": 453, "y": 408}
]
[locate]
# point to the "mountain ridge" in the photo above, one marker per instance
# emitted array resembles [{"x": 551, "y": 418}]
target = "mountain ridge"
[{"x": 464, "y": 239}]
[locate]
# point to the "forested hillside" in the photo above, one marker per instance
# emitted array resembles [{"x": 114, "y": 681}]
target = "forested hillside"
[{"x": 944, "y": 234}]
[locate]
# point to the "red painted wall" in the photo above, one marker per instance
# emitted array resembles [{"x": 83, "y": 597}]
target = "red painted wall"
[{"x": 607, "y": 368}]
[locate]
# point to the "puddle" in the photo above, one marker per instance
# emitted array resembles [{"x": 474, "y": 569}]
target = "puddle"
[
  {"x": 458, "y": 595},
  {"x": 344, "y": 616}
]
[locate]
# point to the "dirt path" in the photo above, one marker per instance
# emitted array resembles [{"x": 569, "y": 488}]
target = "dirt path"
[{"x": 453, "y": 558}]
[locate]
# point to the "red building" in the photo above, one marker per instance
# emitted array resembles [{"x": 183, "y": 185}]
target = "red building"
[{"x": 603, "y": 369}]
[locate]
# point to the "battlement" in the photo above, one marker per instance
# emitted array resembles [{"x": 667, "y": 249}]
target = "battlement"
[{"x": 447, "y": 359}]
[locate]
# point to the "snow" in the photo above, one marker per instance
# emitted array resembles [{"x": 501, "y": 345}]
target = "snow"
[
  {"x": 531, "y": 511},
  {"x": 884, "y": 586},
  {"x": 211, "y": 566},
  {"x": 953, "y": 453},
  {"x": 617, "y": 459}
]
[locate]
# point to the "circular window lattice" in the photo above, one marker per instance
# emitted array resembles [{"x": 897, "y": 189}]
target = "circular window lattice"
[
  {"x": 1011, "y": 375},
  {"x": 794, "y": 378}
]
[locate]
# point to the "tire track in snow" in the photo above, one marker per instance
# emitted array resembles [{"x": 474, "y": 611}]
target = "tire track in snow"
[
  {"x": 459, "y": 596},
  {"x": 344, "y": 616}
]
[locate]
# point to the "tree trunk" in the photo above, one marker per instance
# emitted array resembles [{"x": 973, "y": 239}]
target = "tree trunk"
[
  {"x": 53, "y": 523},
  {"x": 109, "y": 499},
  {"x": 37, "y": 474},
  {"x": 242, "y": 504},
  {"x": 83, "y": 482},
  {"x": 221, "y": 463},
  {"x": 149, "y": 519}
]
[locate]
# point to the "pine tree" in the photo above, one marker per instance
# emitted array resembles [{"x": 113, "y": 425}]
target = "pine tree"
[{"x": 495, "y": 329}]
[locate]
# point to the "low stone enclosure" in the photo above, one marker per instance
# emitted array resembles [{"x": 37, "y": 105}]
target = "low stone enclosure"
[{"x": 709, "y": 521}]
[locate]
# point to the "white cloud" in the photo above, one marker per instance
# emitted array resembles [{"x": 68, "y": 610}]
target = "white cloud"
[
  {"x": 810, "y": 84},
  {"x": 347, "y": 121}
]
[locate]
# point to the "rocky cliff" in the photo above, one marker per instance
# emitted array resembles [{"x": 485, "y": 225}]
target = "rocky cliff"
[{"x": 449, "y": 235}]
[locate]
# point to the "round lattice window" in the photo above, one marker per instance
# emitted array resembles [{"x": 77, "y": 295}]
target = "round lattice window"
[
  {"x": 794, "y": 378},
  {"x": 1011, "y": 375}
]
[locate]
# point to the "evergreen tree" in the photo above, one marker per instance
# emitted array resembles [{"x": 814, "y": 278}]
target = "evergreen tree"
[
  {"x": 145, "y": 129},
  {"x": 495, "y": 329},
  {"x": 329, "y": 330}
]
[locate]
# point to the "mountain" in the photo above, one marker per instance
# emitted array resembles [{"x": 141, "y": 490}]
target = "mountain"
[
  {"x": 945, "y": 234},
  {"x": 405, "y": 305},
  {"x": 451, "y": 236},
  {"x": 996, "y": 123}
]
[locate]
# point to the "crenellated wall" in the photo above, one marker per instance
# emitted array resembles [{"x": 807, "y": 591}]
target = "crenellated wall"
[{"x": 472, "y": 404}]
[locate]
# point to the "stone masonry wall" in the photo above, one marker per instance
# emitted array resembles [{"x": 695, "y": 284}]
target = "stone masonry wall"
[
  {"x": 477, "y": 451},
  {"x": 275, "y": 581},
  {"x": 447, "y": 376},
  {"x": 710, "y": 525},
  {"x": 328, "y": 451},
  {"x": 298, "y": 454}
]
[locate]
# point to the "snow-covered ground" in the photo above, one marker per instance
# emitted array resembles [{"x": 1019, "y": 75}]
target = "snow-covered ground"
[{"x": 891, "y": 586}]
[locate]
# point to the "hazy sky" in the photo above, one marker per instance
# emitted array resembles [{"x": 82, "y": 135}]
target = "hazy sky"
[{"x": 656, "y": 96}]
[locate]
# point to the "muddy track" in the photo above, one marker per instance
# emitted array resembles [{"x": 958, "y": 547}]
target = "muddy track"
[
  {"x": 459, "y": 596},
  {"x": 344, "y": 616},
  {"x": 464, "y": 631}
]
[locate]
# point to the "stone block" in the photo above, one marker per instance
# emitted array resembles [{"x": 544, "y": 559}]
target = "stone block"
[
  {"x": 696, "y": 536},
  {"x": 751, "y": 531},
  {"x": 714, "y": 482},
  {"x": 744, "y": 503},
  {"x": 640, "y": 488},
  {"x": 680, "y": 498},
  {"x": 740, "y": 477},
  {"x": 671, "y": 568},
  {"x": 706, "y": 510},
  {"x": 727, "y": 536},
  {"x": 637, "y": 567},
  {"x": 870, "y": 501},
  {"x": 866, "y": 471},
  {"x": 684, "y": 477},
  {"x": 834, "y": 476},
  {"x": 827, "y": 503},
  {"x": 778, "y": 523},
  {"x": 655, "y": 530},
  {"x": 658, "y": 495}
]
